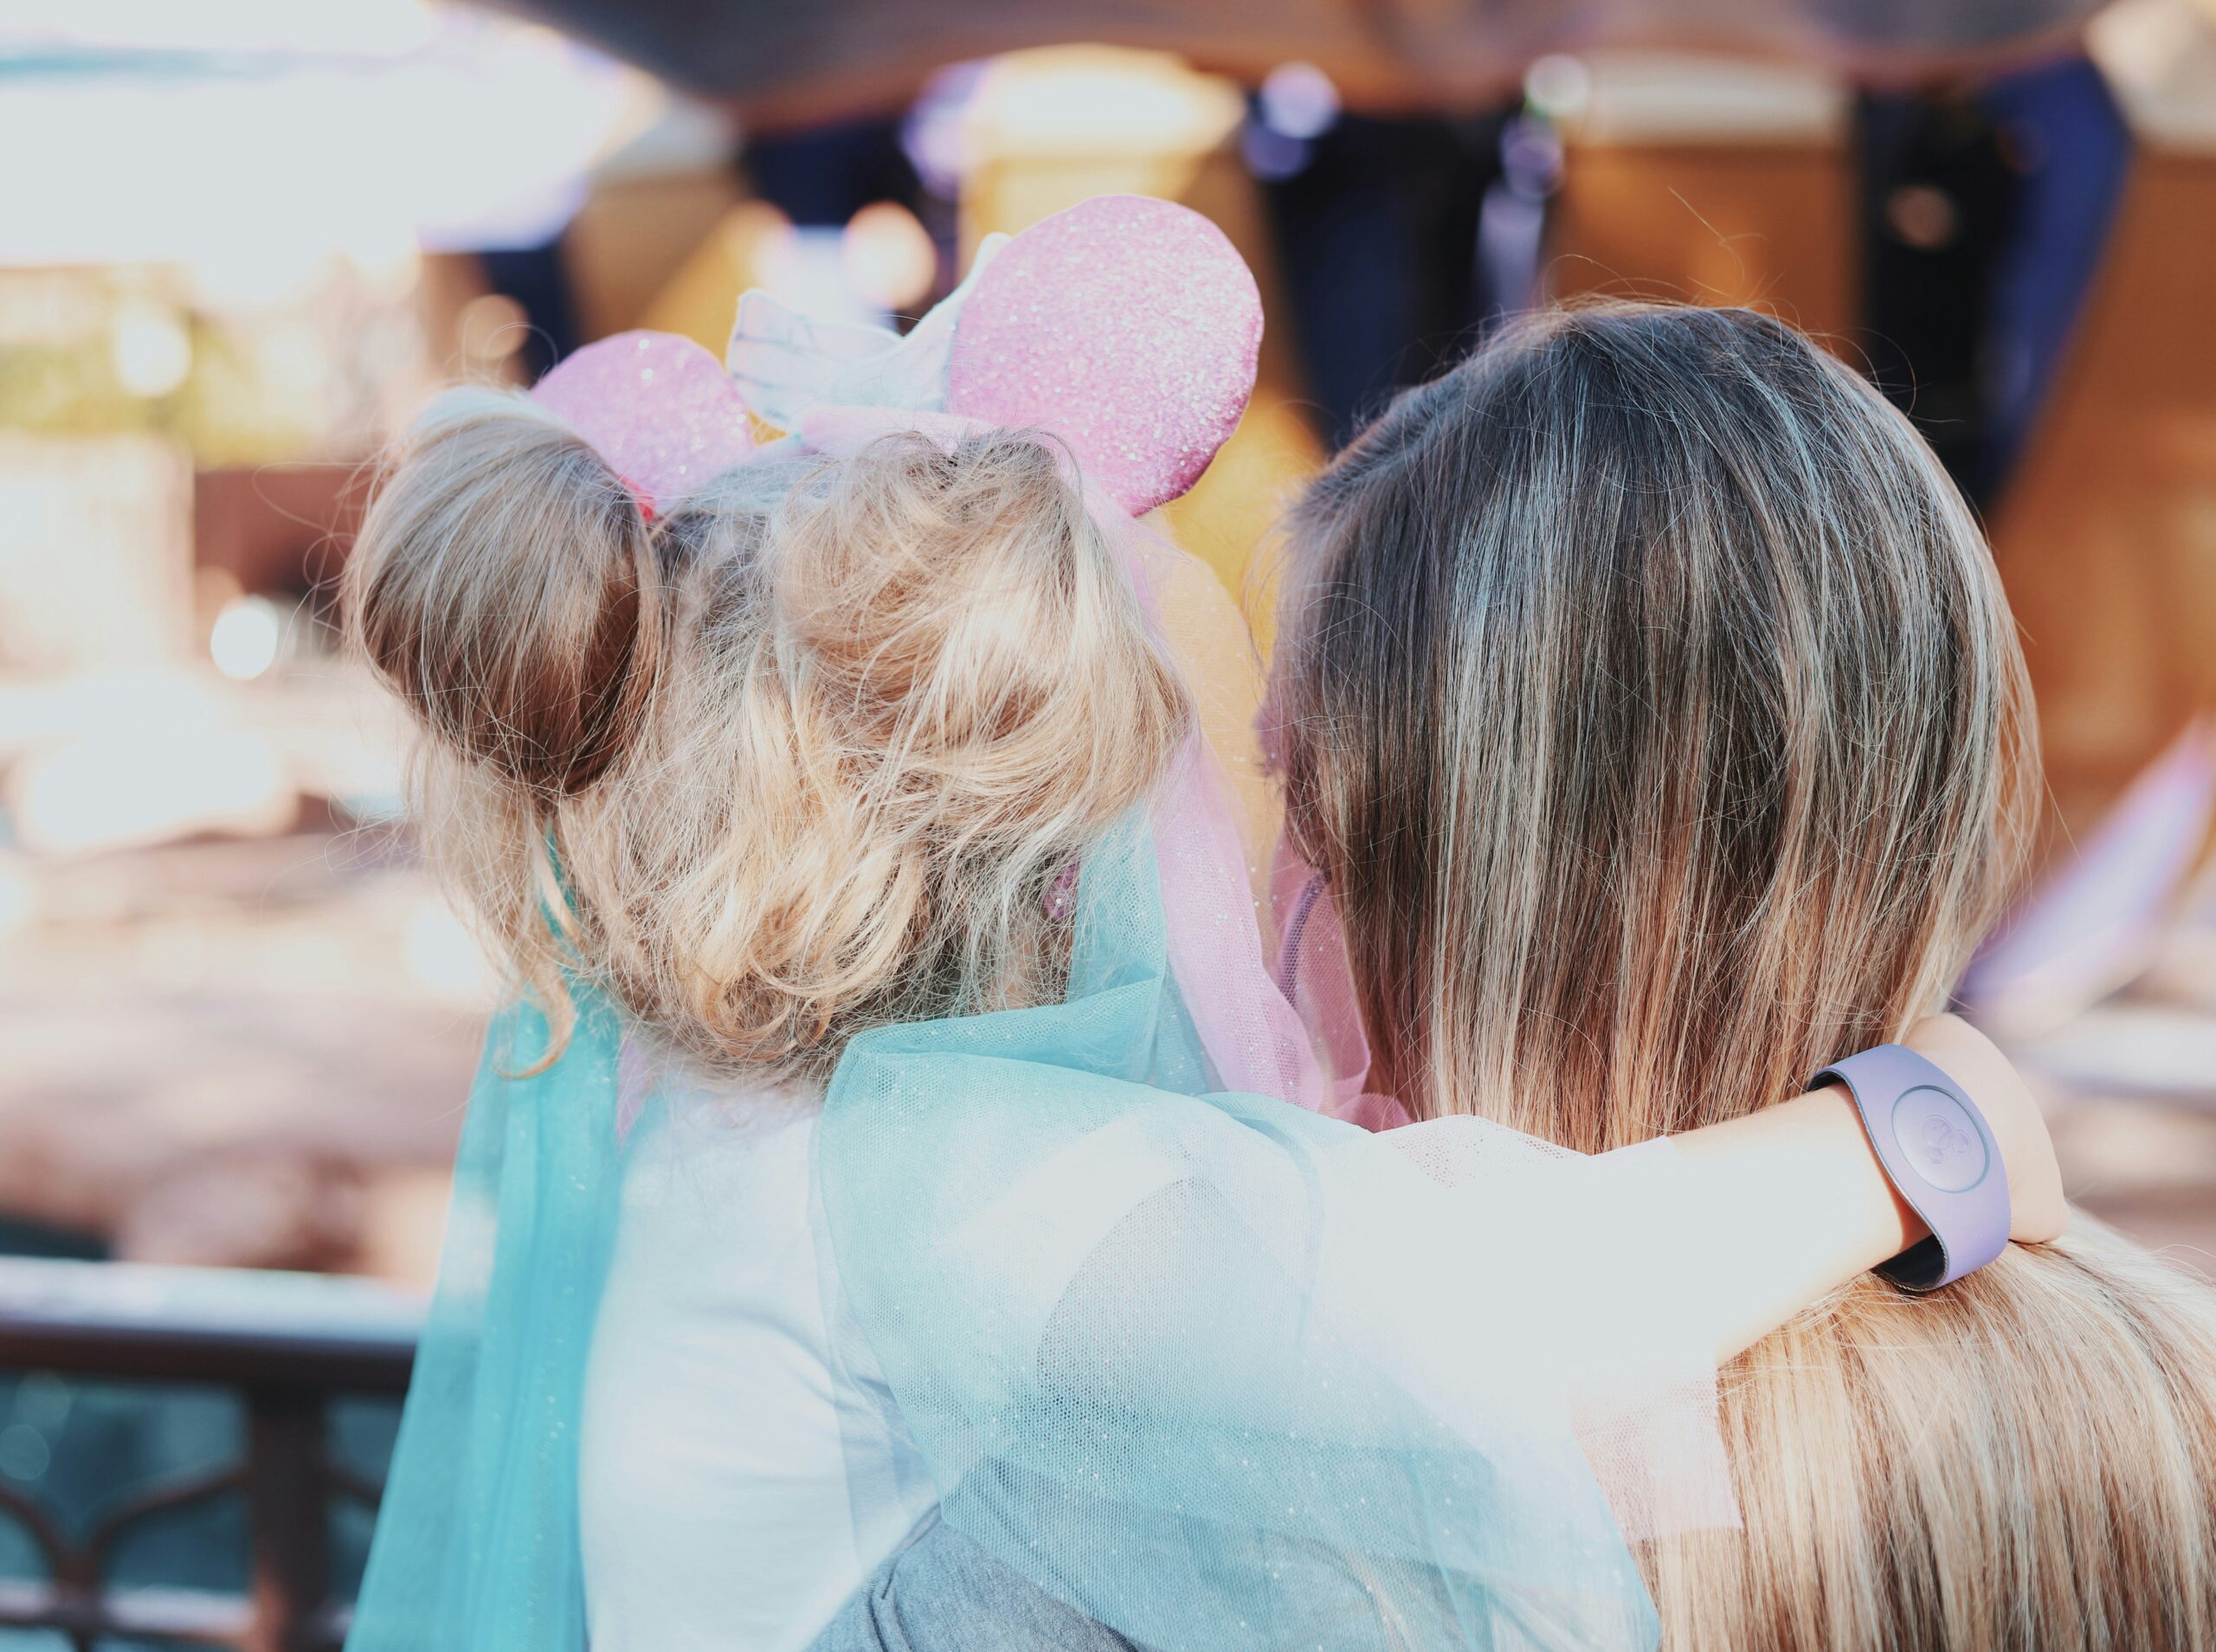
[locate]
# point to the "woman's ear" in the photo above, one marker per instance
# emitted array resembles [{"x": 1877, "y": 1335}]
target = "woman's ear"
[{"x": 1128, "y": 327}]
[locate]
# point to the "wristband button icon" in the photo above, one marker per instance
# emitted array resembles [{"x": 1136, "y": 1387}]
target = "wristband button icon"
[{"x": 1940, "y": 1140}]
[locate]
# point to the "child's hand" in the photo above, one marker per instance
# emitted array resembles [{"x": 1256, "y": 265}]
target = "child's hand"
[
  {"x": 2036, "y": 1210},
  {"x": 1786, "y": 1203}
]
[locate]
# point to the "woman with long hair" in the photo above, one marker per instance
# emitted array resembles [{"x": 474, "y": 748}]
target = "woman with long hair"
[{"x": 1649, "y": 701}]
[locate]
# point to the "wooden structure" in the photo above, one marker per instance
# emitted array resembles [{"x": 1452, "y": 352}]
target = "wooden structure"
[
  {"x": 286, "y": 1346},
  {"x": 2107, "y": 536},
  {"x": 1711, "y": 182}
]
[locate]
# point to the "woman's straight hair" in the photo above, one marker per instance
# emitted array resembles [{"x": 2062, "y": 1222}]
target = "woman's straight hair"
[{"x": 1649, "y": 698}]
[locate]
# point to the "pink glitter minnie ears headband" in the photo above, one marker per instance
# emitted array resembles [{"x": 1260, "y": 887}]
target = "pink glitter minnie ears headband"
[
  {"x": 657, "y": 408},
  {"x": 1128, "y": 327}
]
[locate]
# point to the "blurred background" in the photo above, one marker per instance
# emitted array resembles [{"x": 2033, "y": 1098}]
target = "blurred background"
[{"x": 241, "y": 240}]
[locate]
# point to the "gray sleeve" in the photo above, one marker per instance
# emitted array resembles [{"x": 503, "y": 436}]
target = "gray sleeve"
[{"x": 941, "y": 1591}]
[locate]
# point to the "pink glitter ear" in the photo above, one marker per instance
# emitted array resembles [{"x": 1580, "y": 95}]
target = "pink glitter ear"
[
  {"x": 1127, "y": 326},
  {"x": 658, "y": 407}
]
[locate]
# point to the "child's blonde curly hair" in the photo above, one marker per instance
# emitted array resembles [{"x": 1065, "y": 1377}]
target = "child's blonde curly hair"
[{"x": 805, "y": 756}]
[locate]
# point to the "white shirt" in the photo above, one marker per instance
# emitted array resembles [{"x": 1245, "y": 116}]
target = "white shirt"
[{"x": 742, "y": 1468}]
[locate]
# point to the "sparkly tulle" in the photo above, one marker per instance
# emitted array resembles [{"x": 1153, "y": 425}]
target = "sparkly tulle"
[
  {"x": 476, "y": 1542},
  {"x": 1217, "y": 1371}
]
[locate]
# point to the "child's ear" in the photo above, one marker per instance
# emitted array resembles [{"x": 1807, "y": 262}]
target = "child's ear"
[{"x": 1128, "y": 327}]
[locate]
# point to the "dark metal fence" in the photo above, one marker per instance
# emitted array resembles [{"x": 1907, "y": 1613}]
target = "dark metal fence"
[{"x": 289, "y": 1346}]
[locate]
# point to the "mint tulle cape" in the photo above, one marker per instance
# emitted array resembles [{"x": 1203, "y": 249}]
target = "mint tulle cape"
[{"x": 1145, "y": 1331}]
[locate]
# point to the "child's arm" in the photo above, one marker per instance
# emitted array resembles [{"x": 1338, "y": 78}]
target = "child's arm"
[{"x": 1791, "y": 1202}]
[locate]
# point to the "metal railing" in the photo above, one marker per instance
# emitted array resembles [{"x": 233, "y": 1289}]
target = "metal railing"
[{"x": 287, "y": 1346}]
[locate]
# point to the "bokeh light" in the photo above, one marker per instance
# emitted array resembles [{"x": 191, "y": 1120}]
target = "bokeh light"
[
  {"x": 246, "y": 638},
  {"x": 888, "y": 256},
  {"x": 151, "y": 349}
]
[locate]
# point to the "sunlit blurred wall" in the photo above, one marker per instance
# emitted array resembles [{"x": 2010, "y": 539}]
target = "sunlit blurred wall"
[
  {"x": 226, "y": 261},
  {"x": 639, "y": 231},
  {"x": 2107, "y": 538},
  {"x": 1710, "y": 180},
  {"x": 95, "y": 553}
]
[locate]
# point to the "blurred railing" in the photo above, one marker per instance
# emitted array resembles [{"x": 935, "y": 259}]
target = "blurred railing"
[{"x": 288, "y": 1346}]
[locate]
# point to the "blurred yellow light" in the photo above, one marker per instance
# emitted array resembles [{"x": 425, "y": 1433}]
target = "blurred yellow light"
[
  {"x": 1089, "y": 100},
  {"x": 697, "y": 300},
  {"x": 888, "y": 256},
  {"x": 245, "y": 638},
  {"x": 151, "y": 352}
]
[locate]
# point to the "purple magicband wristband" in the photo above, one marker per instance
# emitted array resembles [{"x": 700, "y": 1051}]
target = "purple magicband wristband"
[{"x": 1936, "y": 1147}]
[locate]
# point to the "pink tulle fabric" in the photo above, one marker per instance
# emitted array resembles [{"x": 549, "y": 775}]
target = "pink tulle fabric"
[{"x": 1253, "y": 1035}]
